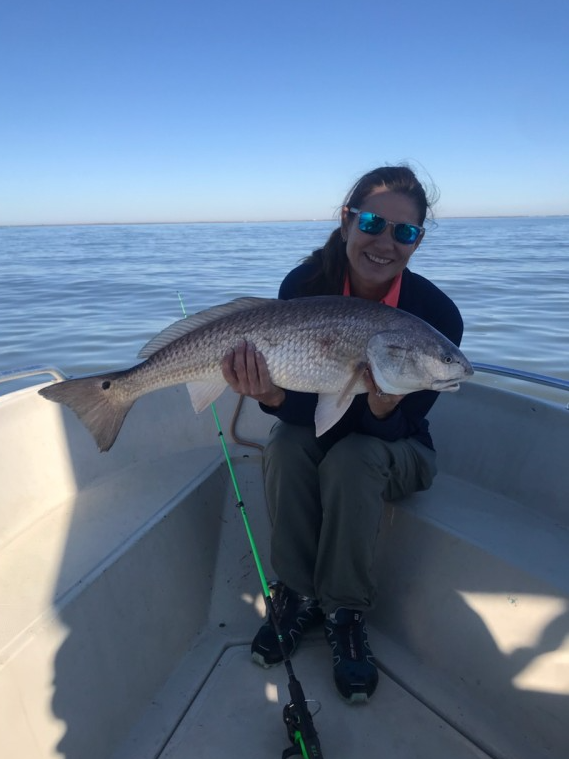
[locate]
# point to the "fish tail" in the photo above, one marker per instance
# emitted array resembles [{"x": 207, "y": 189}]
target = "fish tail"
[{"x": 96, "y": 402}]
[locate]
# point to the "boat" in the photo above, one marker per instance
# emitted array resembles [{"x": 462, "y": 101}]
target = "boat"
[{"x": 129, "y": 592}]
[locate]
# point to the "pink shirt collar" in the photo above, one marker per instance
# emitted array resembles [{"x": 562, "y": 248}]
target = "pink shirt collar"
[{"x": 392, "y": 296}]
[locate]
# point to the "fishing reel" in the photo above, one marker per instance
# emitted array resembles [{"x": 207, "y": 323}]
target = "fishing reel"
[{"x": 301, "y": 732}]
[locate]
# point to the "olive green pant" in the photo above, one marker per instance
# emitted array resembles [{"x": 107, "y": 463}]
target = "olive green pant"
[{"x": 325, "y": 502}]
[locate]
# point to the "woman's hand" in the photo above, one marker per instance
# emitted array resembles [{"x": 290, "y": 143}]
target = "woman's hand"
[
  {"x": 381, "y": 404},
  {"x": 245, "y": 370}
]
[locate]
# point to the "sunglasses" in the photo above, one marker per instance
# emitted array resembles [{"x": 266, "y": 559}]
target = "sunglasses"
[{"x": 372, "y": 224}]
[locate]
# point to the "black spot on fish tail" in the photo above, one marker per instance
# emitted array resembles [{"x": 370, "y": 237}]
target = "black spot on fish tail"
[{"x": 94, "y": 402}]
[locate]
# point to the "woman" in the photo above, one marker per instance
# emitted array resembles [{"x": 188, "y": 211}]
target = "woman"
[{"x": 325, "y": 494}]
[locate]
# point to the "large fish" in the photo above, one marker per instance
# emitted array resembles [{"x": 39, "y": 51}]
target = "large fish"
[{"x": 317, "y": 345}]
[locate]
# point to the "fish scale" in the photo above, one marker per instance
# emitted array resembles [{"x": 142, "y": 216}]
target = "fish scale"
[{"x": 316, "y": 355}]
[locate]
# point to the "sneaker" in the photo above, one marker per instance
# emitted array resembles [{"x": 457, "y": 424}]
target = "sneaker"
[
  {"x": 355, "y": 672},
  {"x": 294, "y": 615}
]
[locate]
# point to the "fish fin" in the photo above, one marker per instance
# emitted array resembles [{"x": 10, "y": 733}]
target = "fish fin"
[
  {"x": 191, "y": 323},
  {"x": 95, "y": 402},
  {"x": 387, "y": 359},
  {"x": 396, "y": 354},
  {"x": 204, "y": 393},
  {"x": 385, "y": 385},
  {"x": 330, "y": 409},
  {"x": 349, "y": 386}
]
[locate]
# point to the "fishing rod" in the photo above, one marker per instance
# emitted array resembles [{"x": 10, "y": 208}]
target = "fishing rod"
[{"x": 296, "y": 715}]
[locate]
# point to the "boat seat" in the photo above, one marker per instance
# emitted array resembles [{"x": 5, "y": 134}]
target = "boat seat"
[{"x": 473, "y": 607}]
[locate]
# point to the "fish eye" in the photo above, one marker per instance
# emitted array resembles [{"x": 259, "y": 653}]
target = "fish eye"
[{"x": 447, "y": 359}]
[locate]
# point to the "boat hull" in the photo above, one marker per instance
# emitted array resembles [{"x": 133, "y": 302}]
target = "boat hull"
[{"x": 133, "y": 595}]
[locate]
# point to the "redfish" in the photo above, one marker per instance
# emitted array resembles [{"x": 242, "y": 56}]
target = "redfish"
[{"x": 319, "y": 344}]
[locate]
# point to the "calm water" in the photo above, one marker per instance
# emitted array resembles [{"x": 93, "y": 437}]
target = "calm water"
[{"x": 87, "y": 298}]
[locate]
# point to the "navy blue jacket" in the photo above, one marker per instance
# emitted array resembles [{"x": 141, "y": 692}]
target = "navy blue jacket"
[{"x": 418, "y": 296}]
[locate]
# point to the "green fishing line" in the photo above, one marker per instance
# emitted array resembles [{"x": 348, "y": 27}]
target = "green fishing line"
[{"x": 241, "y": 505}]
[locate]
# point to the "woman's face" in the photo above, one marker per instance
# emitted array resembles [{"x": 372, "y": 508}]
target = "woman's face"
[{"x": 374, "y": 260}]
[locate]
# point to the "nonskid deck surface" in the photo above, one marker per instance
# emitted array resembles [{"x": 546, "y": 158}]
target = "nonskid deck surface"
[{"x": 238, "y": 713}]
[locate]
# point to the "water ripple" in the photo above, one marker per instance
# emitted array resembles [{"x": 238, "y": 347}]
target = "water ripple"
[{"x": 88, "y": 297}]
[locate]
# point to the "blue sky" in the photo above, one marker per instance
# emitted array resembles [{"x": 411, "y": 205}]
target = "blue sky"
[{"x": 171, "y": 110}]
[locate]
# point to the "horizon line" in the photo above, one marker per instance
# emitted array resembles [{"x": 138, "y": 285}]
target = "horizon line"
[{"x": 256, "y": 221}]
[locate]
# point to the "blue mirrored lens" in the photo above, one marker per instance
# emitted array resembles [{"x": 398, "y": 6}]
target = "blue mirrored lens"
[
  {"x": 370, "y": 223},
  {"x": 406, "y": 233}
]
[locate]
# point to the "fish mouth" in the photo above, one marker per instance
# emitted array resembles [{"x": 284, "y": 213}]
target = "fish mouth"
[{"x": 449, "y": 385}]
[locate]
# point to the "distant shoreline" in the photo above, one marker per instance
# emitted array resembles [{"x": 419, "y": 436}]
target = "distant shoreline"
[{"x": 253, "y": 221}]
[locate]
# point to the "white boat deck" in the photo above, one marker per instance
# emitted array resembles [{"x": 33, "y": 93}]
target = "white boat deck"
[
  {"x": 132, "y": 595},
  {"x": 238, "y": 712}
]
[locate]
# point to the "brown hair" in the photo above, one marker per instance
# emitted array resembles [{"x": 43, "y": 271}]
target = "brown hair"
[{"x": 330, "y": 262}]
